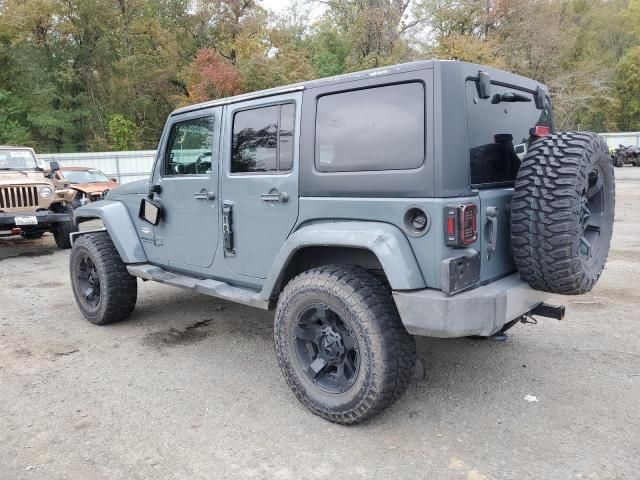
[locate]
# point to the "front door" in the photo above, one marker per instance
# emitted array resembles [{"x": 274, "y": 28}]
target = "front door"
[
  {"x": 187, "y": 176},
  {"x": 259, "y": 201}
]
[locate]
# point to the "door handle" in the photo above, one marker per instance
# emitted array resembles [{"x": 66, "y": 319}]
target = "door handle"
[
  {"x": 492, "y": 217},
  {"x": 275, "y": 197},
  {"x": 204, "y": 196}
]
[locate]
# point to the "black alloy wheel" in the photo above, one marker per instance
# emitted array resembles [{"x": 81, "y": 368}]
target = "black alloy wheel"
[
  {"x": 89, "y": 281},
  {"x": 591, "y": 213},
  {"x": 327, "y": 348}
]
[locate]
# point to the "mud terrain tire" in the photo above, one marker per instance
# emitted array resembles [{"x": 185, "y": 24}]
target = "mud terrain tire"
[
  {"x": 357, "y": 309},
  {"x": 562, "y": 212},
  {"x": 104, "y": 290}
]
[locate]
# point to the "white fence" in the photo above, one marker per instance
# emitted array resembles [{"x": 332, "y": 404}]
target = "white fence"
[
  {"x": 125, "y": 166},
  {"x": 622, "y": 138}
]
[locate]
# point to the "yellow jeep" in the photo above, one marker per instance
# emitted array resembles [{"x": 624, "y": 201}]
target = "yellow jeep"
[{"x": 32, "y": 202}]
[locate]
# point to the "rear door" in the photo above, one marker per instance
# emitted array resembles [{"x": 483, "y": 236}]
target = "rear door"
[
  {"x": 499, "y": 133},
  {"x": 259, "y": 200}
]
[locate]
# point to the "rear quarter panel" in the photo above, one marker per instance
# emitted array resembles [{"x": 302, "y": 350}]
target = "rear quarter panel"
[{"x": 429, "y": 249}]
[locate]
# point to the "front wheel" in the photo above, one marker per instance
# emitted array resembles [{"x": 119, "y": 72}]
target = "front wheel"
[
  {"x": 104, "y": 290},
  {"x": 341, "y": 344}
]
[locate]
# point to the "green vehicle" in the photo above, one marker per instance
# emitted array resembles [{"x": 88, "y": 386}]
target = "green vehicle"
[{"x": 432, "y": 198}]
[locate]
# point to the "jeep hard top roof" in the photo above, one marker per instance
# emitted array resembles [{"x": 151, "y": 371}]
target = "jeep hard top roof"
[{"x": 442, "y": 66}]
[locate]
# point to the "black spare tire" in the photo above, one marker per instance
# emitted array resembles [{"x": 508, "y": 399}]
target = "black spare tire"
[{"x": 562, "y": 212}]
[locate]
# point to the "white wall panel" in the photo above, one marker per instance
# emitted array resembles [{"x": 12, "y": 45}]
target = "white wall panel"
[{"x": 125, "y": 166}]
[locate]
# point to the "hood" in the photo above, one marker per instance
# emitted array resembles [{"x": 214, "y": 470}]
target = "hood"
[
  {"x": 96, "y": 187},
  {"x": 131, "y": 188},
  {"x": 26, "y": 177}
]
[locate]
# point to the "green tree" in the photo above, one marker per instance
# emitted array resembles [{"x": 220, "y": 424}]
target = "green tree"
[
  {"x": 12, "y": 131},
  {"x": 628, "y": 90},
  {"x": 122, "y": 133}
]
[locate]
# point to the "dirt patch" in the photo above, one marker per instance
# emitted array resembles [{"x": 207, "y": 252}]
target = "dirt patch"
[
  {"x": 40, "y": 253},
  {"x": 624, "y": 255},
  {"x": 173, "y": 337},
  {"x": 48, "y": 285},
  {"x": 604, "y": 296}
]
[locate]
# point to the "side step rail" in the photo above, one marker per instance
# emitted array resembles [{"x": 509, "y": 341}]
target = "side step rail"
[{"x": 210, "y": 287}]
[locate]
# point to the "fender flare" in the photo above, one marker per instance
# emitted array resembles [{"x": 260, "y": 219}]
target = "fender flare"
[
  {"x": 118, "y": 223},
  {"x": 385, "y": 241}
]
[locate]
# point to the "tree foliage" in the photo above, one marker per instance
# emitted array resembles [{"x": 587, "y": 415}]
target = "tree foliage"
[
  {"x": 89, "y": 74},
  {"x": 122, "y": 132}
]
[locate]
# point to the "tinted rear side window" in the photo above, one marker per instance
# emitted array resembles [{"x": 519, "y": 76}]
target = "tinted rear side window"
[
  {"x": 255, "y": 140},
  {"x": 379, "y": 128},
  {"x": 263, "y": 139},
  {"x": 499, "y": 133}
]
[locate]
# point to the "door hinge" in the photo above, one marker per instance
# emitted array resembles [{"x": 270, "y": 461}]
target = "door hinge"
[{"x": 227, "y": 228}]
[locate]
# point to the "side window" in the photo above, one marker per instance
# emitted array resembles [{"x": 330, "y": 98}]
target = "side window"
[
  {"x": 285, "y": 136},
  {"x": 263, "y": 139},
  {"x": 189, "y": 148},
  {"x": 380, "y": 128}
]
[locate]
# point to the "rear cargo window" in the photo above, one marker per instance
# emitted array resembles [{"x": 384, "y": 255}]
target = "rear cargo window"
[
  {"x": 499, "y": 132},
  {"x": 379, "y": 128}
]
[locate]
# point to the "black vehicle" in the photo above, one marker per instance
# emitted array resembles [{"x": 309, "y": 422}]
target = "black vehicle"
[{"x": 626, "y": 154}]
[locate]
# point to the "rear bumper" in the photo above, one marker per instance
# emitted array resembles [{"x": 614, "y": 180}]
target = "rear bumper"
[
  {"x": 44, "y": 218},
  {"x": 482, "y": 311}
]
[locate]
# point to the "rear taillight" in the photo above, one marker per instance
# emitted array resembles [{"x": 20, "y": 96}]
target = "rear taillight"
[
  {"x": 541, "y": 131},
  {"x": 461, "y": 225}
]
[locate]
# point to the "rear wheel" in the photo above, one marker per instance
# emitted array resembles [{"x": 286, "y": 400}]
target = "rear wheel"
[
  {"x": 340, "y": 343},
  {"x": 104, "y": 290},
  {"x": 562, "y": 212}
]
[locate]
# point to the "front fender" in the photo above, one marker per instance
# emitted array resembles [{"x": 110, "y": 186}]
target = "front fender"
[
  {"x": 118, "y": 223},
  {"x": 386, "y": 241}
]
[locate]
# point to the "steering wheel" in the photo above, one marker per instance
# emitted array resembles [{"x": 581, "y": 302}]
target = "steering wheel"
[{"x": 199, "y": 161}]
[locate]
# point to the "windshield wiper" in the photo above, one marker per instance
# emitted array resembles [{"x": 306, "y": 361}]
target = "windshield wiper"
[{"x": 510, "y": 97}]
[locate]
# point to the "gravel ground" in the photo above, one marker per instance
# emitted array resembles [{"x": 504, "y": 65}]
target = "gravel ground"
[{"x": 189, "y": 388}]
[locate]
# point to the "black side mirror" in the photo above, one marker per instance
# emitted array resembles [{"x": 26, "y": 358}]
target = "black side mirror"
[
  {"x": 153, "y": 189},
  {"x": 114, "y": 179},
  {"x": 150, "y": 212},
  {"x": 55, "y": 166}
]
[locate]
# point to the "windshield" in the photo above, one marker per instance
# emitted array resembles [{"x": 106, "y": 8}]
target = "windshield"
[
  {"x": 85, "y": 176},
  {"x": 17, "y": 159}
]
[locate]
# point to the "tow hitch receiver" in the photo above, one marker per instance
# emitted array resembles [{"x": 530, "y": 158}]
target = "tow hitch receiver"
[{"x": 549, "y": 311}]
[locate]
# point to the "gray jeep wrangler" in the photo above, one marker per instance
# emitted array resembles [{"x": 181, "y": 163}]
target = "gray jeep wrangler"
[{"x": 431, "y": 198}]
